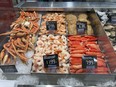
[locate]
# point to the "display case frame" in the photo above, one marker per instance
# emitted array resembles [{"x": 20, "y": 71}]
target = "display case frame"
[{"x": 87, "y": 79}]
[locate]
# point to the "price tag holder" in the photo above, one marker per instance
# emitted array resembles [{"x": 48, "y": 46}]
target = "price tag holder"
[
  {"x": 26, "y": 86},
  {"x": 89, "y": 62},
  {"x": 8, "y": 68},
  {"x": 81, "y": 27},
  {"x": 51, "y": 61},
  {"x": 113, "y": 19},
  {"x": 51, "y": 25}
]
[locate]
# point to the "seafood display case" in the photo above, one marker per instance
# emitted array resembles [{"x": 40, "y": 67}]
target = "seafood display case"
[{"x": 50, "y": 42}]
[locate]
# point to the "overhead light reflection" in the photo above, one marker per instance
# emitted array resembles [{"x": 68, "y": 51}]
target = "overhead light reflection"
[
  {"x": 51, "y": 4},
  {"x": 69, "y": 4}
]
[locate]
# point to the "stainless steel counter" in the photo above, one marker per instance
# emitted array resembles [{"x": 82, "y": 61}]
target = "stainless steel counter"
[
  {"x": 65, "y": 6},
  {"x": 51, "y": 86},
  {"x": 51, "y": 79}
]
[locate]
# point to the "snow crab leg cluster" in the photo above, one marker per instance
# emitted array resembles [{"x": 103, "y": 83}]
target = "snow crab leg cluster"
[
  {"x": 51, "y": 44},
  {"x": 85, "y": 45},
  {"x": 22, "y": 37}
]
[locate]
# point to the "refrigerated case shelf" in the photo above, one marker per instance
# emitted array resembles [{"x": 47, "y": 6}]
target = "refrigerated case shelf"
[{"x": 89, "y": 80}]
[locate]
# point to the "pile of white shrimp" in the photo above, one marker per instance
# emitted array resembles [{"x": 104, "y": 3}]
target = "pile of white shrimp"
[{"x": 48, "y": 45}]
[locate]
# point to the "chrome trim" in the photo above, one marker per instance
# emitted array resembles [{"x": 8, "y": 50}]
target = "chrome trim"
[{"x": 64, "y": 6}]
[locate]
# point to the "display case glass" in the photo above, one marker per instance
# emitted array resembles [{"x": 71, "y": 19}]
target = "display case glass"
[{"x": 46, "y": 43}]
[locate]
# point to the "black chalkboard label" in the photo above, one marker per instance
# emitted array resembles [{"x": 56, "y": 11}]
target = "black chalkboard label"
[
  {"x": 113, "y": 19},
  {"x": 26, "y": 86},
  {"x": 51, "y": 25},
  {"x": 8, "y": 68},
  {"x": 89, "y": 62},
  {"x": 51, "y": 61},
  {"x": 81, "y": 27}
]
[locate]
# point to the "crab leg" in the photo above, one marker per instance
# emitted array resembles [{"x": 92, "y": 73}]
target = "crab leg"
[
  {"x": 2, "y": 54},
  {"x": 9, "y": 51},
  {"x": 23, "y": 58},
  {"x": 7, "y": 33},
  {"x": 5, "y": 59}
]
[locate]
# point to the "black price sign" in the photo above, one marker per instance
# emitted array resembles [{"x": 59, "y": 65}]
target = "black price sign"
[
  {"x": 51, "y": 25},
  {"x": 26, "y": 86},
  {"x": 89, "y": 62},
  {"x": 81, "y": 27},
  {"x": 8, "y": 68},
  {"x": 51, "y": 61},
  {"x": 113, "y": 19}
]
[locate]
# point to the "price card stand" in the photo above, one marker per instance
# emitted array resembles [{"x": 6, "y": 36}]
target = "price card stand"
[
  {"x": 81, "y": 27},
  {"x": 52, "y": 70},
  {"x": 51, "y": 63},
  {"x": 8, "y": 68},
  {"x": 26, "y": 86},
  {"x": 113, "y": 19},
  {"x": 89, "y": 63},
  {"x": 51, "y": 26}
]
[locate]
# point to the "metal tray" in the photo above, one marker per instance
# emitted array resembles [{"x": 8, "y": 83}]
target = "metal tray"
[
  {"x": 6, "y": 39},
  {"x": 103, "y": 41},
  {"x": 47, "y": 12}
]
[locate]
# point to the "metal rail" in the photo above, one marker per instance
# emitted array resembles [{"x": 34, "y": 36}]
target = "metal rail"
[{"x": 64, "y": 6}]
